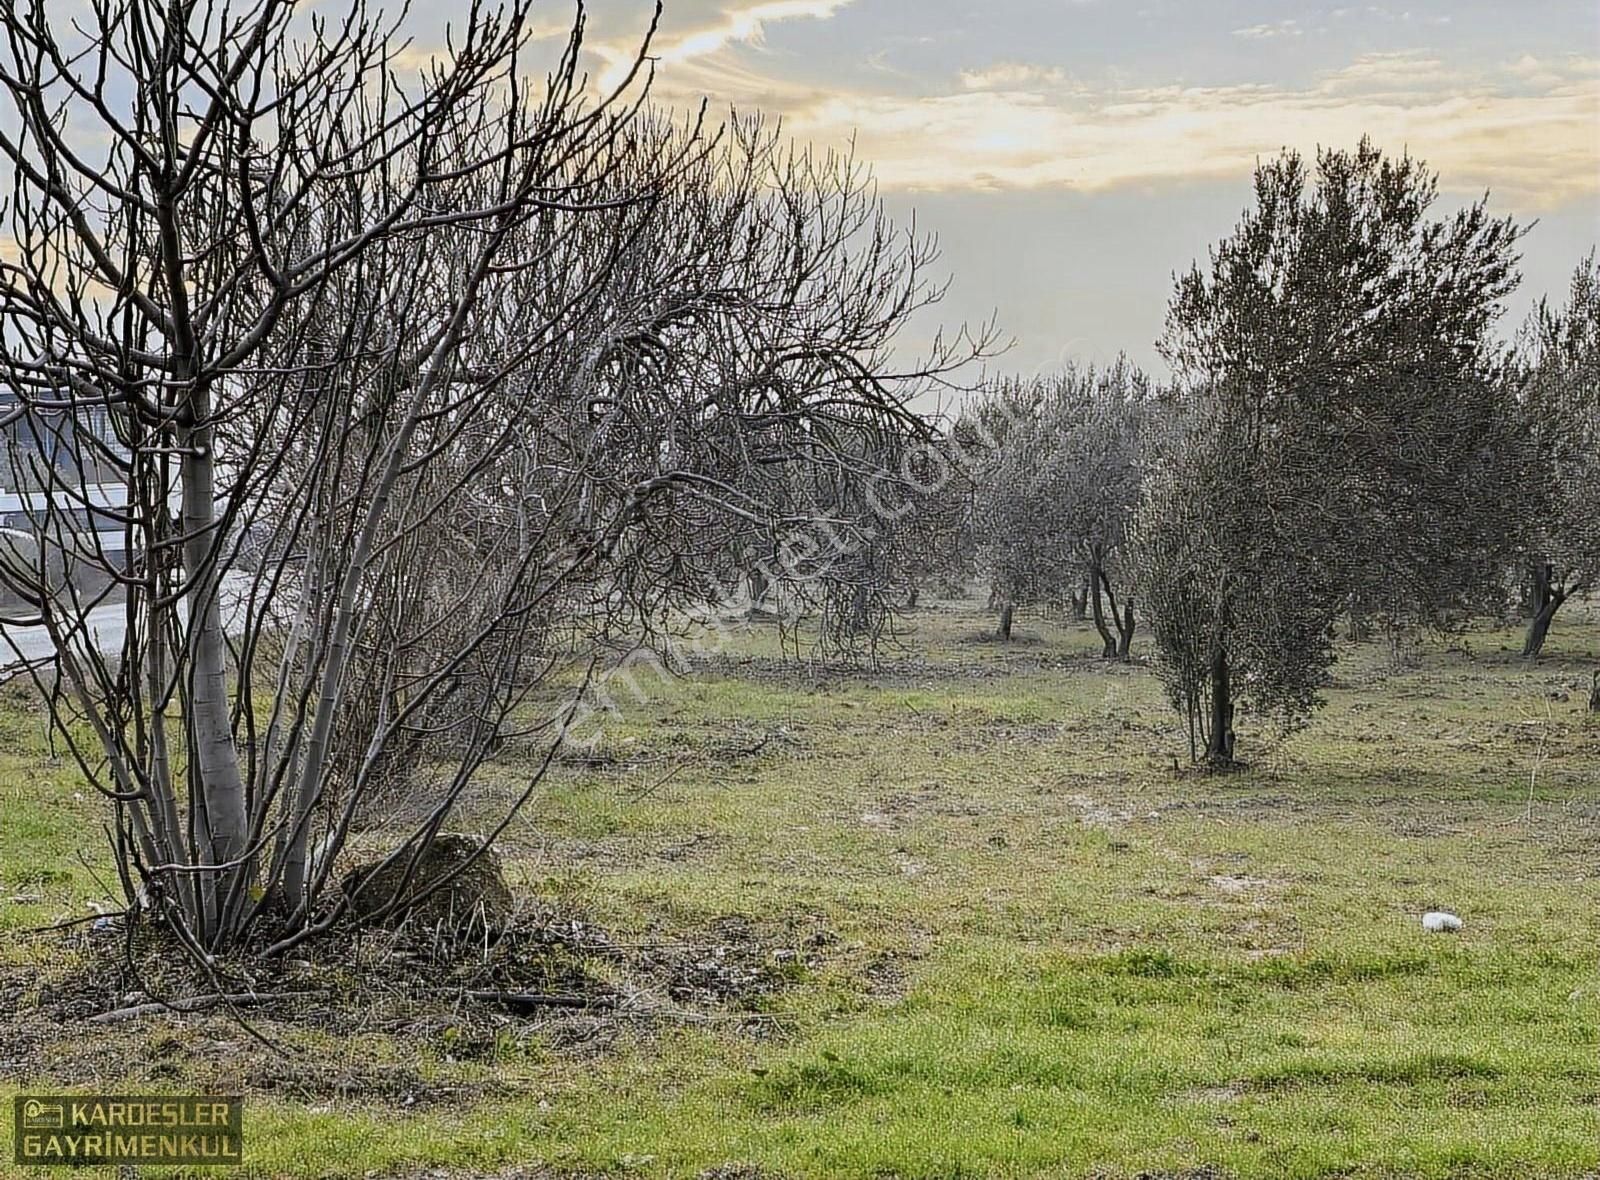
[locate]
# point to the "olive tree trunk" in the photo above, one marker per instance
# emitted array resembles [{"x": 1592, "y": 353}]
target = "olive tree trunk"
[
  {"x": 1116, "y": 635},
  {"x": 1219, "y": 739},
  {"x": 1546, "y": 600}
]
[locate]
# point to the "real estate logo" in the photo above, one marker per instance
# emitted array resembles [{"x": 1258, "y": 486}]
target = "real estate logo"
[{"x": 116, "y": 1129}]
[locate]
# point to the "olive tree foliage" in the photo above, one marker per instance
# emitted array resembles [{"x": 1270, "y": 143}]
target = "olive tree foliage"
[
  {"x": 1023, "y": 560},
  {"x": 1561, "y": 399},
  {"x": 1058, "y": 489},
  {"x": 1341, "y": 425},
  {"x": 1240, "y": 595},
  {"x": 1101, "y": 457},
  {"x": 383, "y": 396}
]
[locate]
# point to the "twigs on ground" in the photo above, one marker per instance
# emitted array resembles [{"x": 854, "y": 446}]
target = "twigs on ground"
[
  {"x": 537, "y": 1000},
  {"x": 197, "y": 1004}
]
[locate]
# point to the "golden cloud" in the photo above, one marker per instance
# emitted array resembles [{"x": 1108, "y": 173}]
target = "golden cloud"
[
  {"x": 731, "y": 25},
  {"x": 1529, "y": 130}
]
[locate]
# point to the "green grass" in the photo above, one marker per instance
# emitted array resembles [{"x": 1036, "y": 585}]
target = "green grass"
[{"x": 1055, "y": 956}]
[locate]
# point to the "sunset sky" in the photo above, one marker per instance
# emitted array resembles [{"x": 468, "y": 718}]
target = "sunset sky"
[{"x": 1071, "y": 154}]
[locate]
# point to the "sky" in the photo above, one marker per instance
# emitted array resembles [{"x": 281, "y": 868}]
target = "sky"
[{"x": 1072, "y": 154}]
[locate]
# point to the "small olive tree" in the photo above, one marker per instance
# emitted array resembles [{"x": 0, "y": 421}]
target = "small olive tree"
[{"x": 1240, "y": 585}]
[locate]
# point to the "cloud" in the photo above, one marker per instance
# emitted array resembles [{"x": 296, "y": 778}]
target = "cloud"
[
  {"x": 1525, "y": 127},
  {"x": 1011, "y": 76},
  {"x": 1404, "y": 16},
  {"x": 1282, "y": 28},
  {"x": 1401, "y": 73},
  {"x": 733, "y": 24},
  {"x": 745, "y": 25},
  {"x": 1528, "y": 132},
  {"x": 1548, "y": 73}
]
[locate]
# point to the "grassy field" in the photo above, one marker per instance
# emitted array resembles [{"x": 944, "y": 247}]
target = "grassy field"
[{"x": 996, "y": 932}]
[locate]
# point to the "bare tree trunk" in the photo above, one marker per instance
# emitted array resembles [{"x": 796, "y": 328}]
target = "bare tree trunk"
[
  {"x": 912, "y": 595},
  {"x": 759, "y": 584},
  {"x": 220, "y": 819},
  {"x": 859, "y": 621},
  {"x": 1594, "y": 693},
  {"x": 224, "y": 825},
  {"x": 1007, "y": 609},
  {"x": 296, "y": 879},
  {"x": 1219, "y": 744}
]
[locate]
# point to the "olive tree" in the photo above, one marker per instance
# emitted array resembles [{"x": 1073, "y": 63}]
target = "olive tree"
[
  {"x": 1561, "y": 397},
  {"x": 1100, "y": 439},
  {"x": 1241, "y": 589},
  {"x": 1343, "y": 424},
  {"x": 1022, "y": 549},
  {"x": 1058, "y": 489}
]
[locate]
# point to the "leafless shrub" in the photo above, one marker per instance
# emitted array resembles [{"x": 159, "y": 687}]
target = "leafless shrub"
[{"x": 396, "y": 396}]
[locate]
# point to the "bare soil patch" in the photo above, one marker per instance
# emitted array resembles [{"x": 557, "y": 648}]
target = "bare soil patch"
[{"x": 94, "y": 1006}]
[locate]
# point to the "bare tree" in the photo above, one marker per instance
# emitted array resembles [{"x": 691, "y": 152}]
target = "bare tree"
[
  {"x": 393, "y": 396},
  {"x": 239, "y": 249},
  {"x": 762, "y": 333},
  {"x": 934, "y": 537},
  {"x": 906, "y": 504}
]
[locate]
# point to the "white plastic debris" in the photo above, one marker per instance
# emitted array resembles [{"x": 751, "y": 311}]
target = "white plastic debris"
[{"x": 1439, "y": 922}]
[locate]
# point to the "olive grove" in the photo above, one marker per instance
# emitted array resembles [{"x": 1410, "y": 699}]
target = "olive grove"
[{"x": 1056, "y": 490}]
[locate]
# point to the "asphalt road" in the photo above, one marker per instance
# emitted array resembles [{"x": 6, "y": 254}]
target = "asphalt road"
[{"x": 108, "y": 625}]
